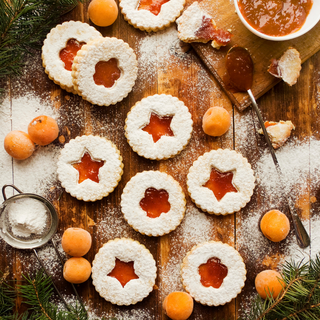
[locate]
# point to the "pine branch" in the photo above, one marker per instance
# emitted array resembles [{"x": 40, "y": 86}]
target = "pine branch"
[
  {"x": 300, "y": 299},
  {"x": 23, "y": 26}
]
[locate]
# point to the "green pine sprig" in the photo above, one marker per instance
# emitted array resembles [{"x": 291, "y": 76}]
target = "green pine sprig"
[
  {"x": 23, "y": 26},
  {"x": 300, "y": 298}
]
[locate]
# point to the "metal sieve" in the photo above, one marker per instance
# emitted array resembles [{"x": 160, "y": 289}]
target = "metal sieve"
[{"x": 34, "y": 240}]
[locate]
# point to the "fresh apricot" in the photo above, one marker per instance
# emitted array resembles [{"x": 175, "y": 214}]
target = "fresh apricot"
[
  {"x": 76, "y": 241},
  {"x": 178, "y": 305},
  {"x": 216, "y": 121},
  {"x": 43, "y": 130},
  {"x": 269, "y": 281},
  {"x": 275, "y": 225},
  {"x": 103, "y": 13},
  {"x": 18, "y": 145},
  {"x": 77, "y": 270}
]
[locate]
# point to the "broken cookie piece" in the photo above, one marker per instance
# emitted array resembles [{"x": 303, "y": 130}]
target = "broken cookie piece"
[
  {"x": 196, "y": 25},
  {"x": 278, "y": 132},
  {"x": 287, "y": 67}
]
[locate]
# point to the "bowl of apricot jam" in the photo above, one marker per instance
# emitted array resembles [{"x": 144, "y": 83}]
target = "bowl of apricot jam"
[{"x": 278, "y": 20}]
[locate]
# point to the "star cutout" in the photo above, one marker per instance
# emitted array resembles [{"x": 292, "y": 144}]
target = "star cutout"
[
  {"x": 154, "y": 6},
  {"x": 123, "y": 272},
  {"x": 220, "y": 183},
  {"x": 88, "y": 168},
  {"x": 159, "y": 126},
  {"x": 155, "y": 202}
]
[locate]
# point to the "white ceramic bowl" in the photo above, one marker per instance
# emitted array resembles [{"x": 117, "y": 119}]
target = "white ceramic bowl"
[{"x": 312, "y": 19}]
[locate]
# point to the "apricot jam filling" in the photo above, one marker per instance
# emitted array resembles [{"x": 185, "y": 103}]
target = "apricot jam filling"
[
  {"x": 212, "y": 273},
  {"x": 220, "y": 183},
  {"x": 208, "y": 31},
  {"x": 155, "y": 202},
  {"x": 88, "y": 168},
  {"x": 154, "y": 6},
  {"x": 123, "y": 272},
  {"x": 159, "y": 126},
  {"x": 68, "y": 53},
  {"x": 107, "y": 73}
]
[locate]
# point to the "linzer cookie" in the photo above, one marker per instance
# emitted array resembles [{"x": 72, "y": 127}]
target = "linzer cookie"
[
  {"x": 124, "y": 271},
  {"x": 196, "y": 25},
  {"x": 153, "y": 203},
  {"x": 89, "y": 167},
  {"x": 61, "y": 46},
  {"x": 104, "y": 71},
  {"x": 158, "y": 127},
  {"x": 151, "y": 15},
  {"x": 221, "y": 182},
  {"x": 213, "y": 273}
]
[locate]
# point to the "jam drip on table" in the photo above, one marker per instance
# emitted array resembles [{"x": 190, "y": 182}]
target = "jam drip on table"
[
  {"x": 212, "y": 273},
  {"x": 220, "y": 183},
  {"x": 107, "y": 73},
  {"x": 88, "y": 168},
  {"x": 275, "y": 17},
  {"x": 154, "y": 6},
  {"x": 123, "y": 272},
  {"x": 208, "y": 31},
  {"x": 159, "y": 126},
  {"x": 68, "y": 53},
  {"x": 155, "y": 202}
]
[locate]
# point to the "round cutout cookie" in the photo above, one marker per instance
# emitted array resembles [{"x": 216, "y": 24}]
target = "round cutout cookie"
[
  {"x": 153, "y": 203},
  {"x": 158, "y": 127},
  {"x": 68, "y": 36},
  {"x": 89, "y": 167},
  {"x": 123, "y": 271},
  {"x": 104, "y": 71}
]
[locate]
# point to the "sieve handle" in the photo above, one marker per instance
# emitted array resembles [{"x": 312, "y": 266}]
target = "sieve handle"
[{"x": 9, "y": 185}]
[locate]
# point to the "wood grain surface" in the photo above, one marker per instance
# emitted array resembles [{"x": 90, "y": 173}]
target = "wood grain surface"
[{"x": 183, "y": 75}]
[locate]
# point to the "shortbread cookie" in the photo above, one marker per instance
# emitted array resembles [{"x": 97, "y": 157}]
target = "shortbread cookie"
[
  {"x": 208, "y": 287},
  {"x": 151, "y": 15},
  {"x": 89, "y": 167},
  {"x": 278, "y": 132},
  {"x": 153, "y": 203},
  {"x": 221, "y": 182},
  {"x": 197, "y": 25},
  {"x": 64, "y": 41},
  {"x": 158, "y": 127},
  {"x": 104, "y": 71},
  {"x": 124, "y": 271}
]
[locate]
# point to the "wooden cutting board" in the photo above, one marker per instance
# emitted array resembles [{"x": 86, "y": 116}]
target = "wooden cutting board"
[{"x": 261, "y": 50}]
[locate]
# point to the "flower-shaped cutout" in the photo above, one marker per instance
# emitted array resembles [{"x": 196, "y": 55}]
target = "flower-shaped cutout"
[
  {"x": 107, "y": 73},
  {"x": 68, "y": 53},
  {"x": 123, "y": 272},
  {"x": 88, "y": 168},
  {"x": 155, "y": 202},
  {"x": 220, "y": 183},
  {"x": 159, "y": 126},
  {"x": 212, "y": 273}
]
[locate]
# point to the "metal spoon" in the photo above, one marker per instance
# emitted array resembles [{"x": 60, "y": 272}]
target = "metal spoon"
[{"x": 240, "y": 70}]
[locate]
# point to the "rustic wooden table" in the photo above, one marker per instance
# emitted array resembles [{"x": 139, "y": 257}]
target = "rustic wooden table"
[{"x": 167, "y": 66}]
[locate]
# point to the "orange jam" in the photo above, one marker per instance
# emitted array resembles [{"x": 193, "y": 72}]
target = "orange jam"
[
  {"x": 159, "y": 126},
  {"x": 154, "y": 6},
  {"x": 208, "y": 31},
  {"x": 275, "y": 17},
  {"x": 107, "y": 73},
  {"x": 212, "y": 273},
  {"x": 123, "y": 272},
  {"x": 220, "y": 183},
  {"x": 155, "y": 202},
  {"x": 69, "y": 52},
  {"x": 88, "y": 168},
  {"x": 269, "y": 124}
]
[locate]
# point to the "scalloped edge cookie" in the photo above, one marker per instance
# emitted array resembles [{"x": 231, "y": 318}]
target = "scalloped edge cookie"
[{"x": 110, "y": 173}]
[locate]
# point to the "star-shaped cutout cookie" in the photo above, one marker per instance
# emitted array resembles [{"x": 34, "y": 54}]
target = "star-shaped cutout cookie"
[
  {"x": 123, "y": 272},
  {"x": 88, "y": 168}
]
